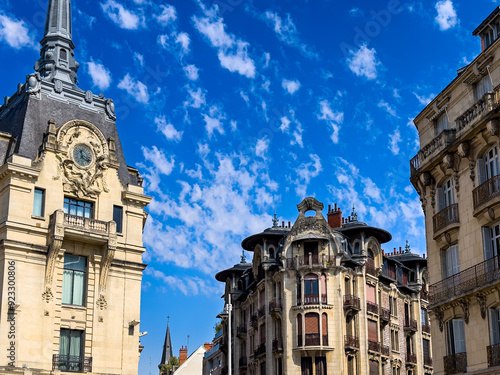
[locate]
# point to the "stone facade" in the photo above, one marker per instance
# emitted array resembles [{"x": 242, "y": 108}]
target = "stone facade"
[
  {"x": 316, "y": 299},
  {"x": 72, "y": 215},
  {"x": 456, "y": 175}
]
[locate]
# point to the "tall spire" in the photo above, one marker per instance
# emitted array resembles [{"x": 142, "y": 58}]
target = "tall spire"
[
  {"x": 167, "y": 347},
  {"x": 57, "y": 60}
]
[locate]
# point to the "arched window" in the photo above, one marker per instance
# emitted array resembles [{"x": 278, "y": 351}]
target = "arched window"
[
  {"x": 299, "y": 330},
  {"x": 63, "y": 54},
  {"x": 324, "y": 328},
  {"x": 370, "y": 263},
  {"x": 311, "y": 292},
  {"x": 357, "y": 249},
  {"x": 488, "y": 165},
  {"x": 312, "y": 329},
  {"x": 271, "y": 252},
  {"x": 299, "y": 291},
  {"x": 323, "y": 288},
  {"x": 446, "y": 194}
]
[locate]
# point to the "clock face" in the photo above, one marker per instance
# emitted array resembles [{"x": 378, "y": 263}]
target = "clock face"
[{"x": 82, "y": 155}]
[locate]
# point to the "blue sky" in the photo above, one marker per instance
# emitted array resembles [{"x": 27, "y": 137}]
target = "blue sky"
[{"x": 232, "y": 109}]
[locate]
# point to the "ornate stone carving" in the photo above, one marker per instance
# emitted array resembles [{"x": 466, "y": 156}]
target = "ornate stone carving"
[
  {"x": 426, "y": 178},
  {"x": 433, "y": 196},
  {"x": 472, "y": 167},
  {"x": 82, "y": 179},
  {"x": 310, "y": 204},
  {"x": 464, "y": 303},
  {"x": 101, "y": 302},
  {"x": 107, "y": 260},
  {"x": 56, "y": 235},
  {"x": 491, "y": 213},
  {"x": 110, "y": 109},
  {"x": 33, "y": 84},
  {"x": 439, "y": 315},
  {"x": 493, "y": 127},
  {"x": 89, "y": 96},
  {"x": 58, "y": 86},
  {"x": 310, "y": 224},
  {"x": 481, "y": 300},
  {"x": 464, "y": 149}
]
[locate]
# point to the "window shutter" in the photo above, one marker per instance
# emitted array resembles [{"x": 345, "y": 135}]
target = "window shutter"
[
  {"x": 372, "y": 331},
  {"x": 459, "y": 332},
  {"x": 494, "y": 331},
  {"x": 481, "y": 171},
  {"x": 454, "y": 266},
  {"x": 312, "y": 323},
  {"x": 487, "y": 245},
  {"x": 440, "y": 197},
  {"x": 370, "y": 293}
]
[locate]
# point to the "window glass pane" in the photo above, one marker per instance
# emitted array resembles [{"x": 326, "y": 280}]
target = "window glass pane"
[
  {"x": 118, "y": 218},
  {"x": 74, "y": 279},
  {"x": 78, "y": 287},
  {"x": 38, "y": 202},
  {"x": 67, "y": 286}
]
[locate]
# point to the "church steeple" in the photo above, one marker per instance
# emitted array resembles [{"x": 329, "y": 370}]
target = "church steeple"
[
  {"x": 57, "y": 62},
  {"x": 167, "y": 348}
]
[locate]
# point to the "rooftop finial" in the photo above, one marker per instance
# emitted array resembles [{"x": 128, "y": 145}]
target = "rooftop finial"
[
  {"x": 275, "y": 220},
  {"x": 407, "y": 247},
  {"x": 57, "y": 62},
  {"x": 243, "y": 257},
  {"x": 354, "y": 215}
]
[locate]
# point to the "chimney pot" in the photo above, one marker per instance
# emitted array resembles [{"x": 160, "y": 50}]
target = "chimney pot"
[{"x": 335, "y": 205}]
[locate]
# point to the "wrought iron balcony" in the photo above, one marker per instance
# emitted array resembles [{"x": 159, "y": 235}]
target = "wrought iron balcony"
[
  {"x": 410, "y": 325},
  {"x": 243, "y": 362},
  {"x": 371, "y": 269},
  {"x": 427, "y": 361},
  {"x": 275, "y": 305},
  {"x": 426, "y": 328},
  {"x": 374, "y": 346},
  {"x": 322, "y": 260},
  {"x": 479, "y": 109},
  {"x": 351, "y": 303},
  {"x": 261, "y": 350},
  {"x": 241, "y": 331},
  {"x": 254, "y": 320},
  {"x": 480, "y": 275},
  {"x": 411, "y": 358},
  {"x": 312, "y": 339},
  {"x": 372, "y": 307},
  {"x": 485, "y": 192},
  {"x": 440, "y": 143},
  {"x": 493, "y": 352},
  {"x": 277, "y": 345},
  {"x": 351, "y": 343},
  {"x": 261, "y": 312},
  {"x": 445, "y": 217},
  {"x": 385, "y": 350},
  {"x": 455, "y": 363},
  {"x": 385, "y": 315},
  {"x": 69, "y": 363}
]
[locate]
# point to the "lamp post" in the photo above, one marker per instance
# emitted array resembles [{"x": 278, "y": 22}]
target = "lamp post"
[{"x": 229, "y": 308}]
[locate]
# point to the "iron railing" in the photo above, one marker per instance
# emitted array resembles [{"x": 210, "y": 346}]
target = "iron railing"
[
  {"x": 493, "y": 353},
  {"x": 275, "y": 305},
  {"x": 426, "y": 328},
  {"x": 351, "y": 342},
  {"x": 325, "y": 340},
  {"x": 313, "y": 260},
  {"x": 352, "y": 302},
  {"x": 312, "y": 339},
  {"x": 465, "y": 281},
  {"x": 455, "y": 363},
  {"x": 70, "y": 363},
  {"x": 445, "y": 217},
  {"x": 410, "y": 325},
  {"x": 241, "y": 330},
  {"x": 374, "y": 346},
  {"x": 427, "y": 361},
  {"x": 385, "y": 350},
  {"x": 277, "y": 345},
  {"x": 313, "y": 299},
  {"x": 254, "y": 320},
  {"x": 385, "y": 314},
  {"x": 372, "y": 307},
  {"x": 261, "y": 311},
  {"x": 411, "y": 358},
  {"x": 486, "y": 191}
]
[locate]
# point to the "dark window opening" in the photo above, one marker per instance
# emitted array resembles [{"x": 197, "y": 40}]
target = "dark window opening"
[{"x": 118, "y": 218}]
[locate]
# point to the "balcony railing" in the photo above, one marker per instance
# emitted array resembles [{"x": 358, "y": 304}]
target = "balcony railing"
[
  {"x": 427, "y": 361},
  {"x": 493, "y": 353},
  {"x": 410, "y": 325},
  {"x": 371, "y": 269},
  {"x": 243, "y": 362},
  {"x": 261, "y": 312},
  {"x": 261, "y": 349},
  {"x": 482, "y": 106},
  {"x": 86, "y": 223},
  {"x": 313, "y": 260},
  {"x": 277, "y": 345},
  {"x": 311, "y": 299},
  {"x": 445, "y": 217},
  {"x": 486, "y": 191},
  {"x": 374, "y": 346},
  {"x": 465, "y": 281},
  {"x": 254, "y": 320},
  {"x": 385, "y": 350},
  {"x": 325, "y": 340},
  {"x": 424, "y": 295},
  {"x": 241, "y": 331},
  {"x": 351, "y": 342},
  {"x": 69, "y": 363},
  {"x": 442, "y": 141},
  {"x": 351, "y": 302},
  {"x": 455, "y": 363},
  {"x": 385, "y": 314},
  {"x": 411, "y": 358},
  {"x": 312, "y": 339},
  {"x": 372, "y": 307},
  {"x": 275, "y": 305},
  {"x": 426, "y": 328}
]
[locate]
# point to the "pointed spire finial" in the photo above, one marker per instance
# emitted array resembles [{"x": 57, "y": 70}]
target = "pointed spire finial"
[
  {"x": 243, "y": 257},
  {"x": 354, "y": 215},
  {"x": 407, "y": 247},
  {"x": 275, "y": 220},
  {"x": 57, "y": 60}
]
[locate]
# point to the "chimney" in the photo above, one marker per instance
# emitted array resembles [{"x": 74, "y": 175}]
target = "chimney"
[
  {"x": 208, "y": 346},
  {"x": 334, "y": 217},
  {"x": 183, "y": 354}
]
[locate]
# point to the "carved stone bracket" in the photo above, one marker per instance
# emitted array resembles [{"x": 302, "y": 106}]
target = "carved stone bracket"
[
  {"x": 440, "y": 316},
  {"x": 33, "y": 84},
  {"x": 481, "y": 299},
  {"x": 107, "y": 259},
  {"x": 472, "y": 167},
  {"x": 55, "y": 239},
  {"x": 433, "y": 196},
  {"x": 464, "y": 303}
]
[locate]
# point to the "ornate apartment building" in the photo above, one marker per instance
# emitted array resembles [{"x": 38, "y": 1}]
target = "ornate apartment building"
[
  {"x": 456, "y": 174},
  {"x": 72, "y": 215},
  {"x": 320, "y": 297}
]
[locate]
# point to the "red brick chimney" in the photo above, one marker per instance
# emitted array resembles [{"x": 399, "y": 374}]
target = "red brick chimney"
[
  {"x": 334, "y": 216},
  {"x": 208, "y": 346},
  {"x": 183, "y": 354}
]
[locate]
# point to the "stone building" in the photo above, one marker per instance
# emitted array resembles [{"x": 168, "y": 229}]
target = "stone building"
[
  {"x": 72, "y": 216},
  {"x": 456, "y": 174},
  {"x": 320, "y": 297}
]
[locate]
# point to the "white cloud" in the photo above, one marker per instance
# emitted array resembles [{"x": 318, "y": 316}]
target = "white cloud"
[
  {"x": 388, "y": 108},
  {"x": 305, "y": 172},
  {"x": 162, "y": 40},
  {"x": 262, "y": 147},
  {"x": 167, "y": 15},
  {"x": 135, "y": 88},
  {"x": 184, "y": 41},
  {"x": 232, "y": 52},
  {"x": 123, "y": 17},
  {"x": 213, "y": 121},
  {"x": 196, "y": 98},
  {"x": 394, "y": 140},
  {"x": 157, "y": 157},
  {"x": 101, "y": 77},
  {"x": 424, "y": 100},
  {"x": 333, "y": 118},
  {"x": 168, "y": 129},
  {"x": 15, "y": 33},
  {"x": 191, "y": 72},
  {"x": 296, "y": 134},
  {"x": 371, "y": 190},
  {"x": 363, "y": 62},
  {"x": 245, "y": 97},
  {"x": 291, "y": 86},
  {"x": 139, "y": 58},
  {"x": 446, "y": 15}
]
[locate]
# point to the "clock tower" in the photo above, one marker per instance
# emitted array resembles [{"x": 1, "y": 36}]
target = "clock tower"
[{"x": 72, "y": 217}]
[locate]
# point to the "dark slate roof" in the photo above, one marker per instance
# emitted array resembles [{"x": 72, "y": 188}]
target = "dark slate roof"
[
  {"x": 236, "y": 269},
  {"x": 352, "y": 228},
  {"x": 249, "y": 243},
  {"x": 167, "y": 348}
]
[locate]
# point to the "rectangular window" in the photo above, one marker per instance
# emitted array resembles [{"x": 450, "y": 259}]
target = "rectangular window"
[
  {"x": 456, "y": 336},
  {"x": 441, "y": 123},
  {"x": 495, "y": 326},
  {"x": 39, "y": 202},
  {"x": 393, "y": 306},
  {"x": 320, "y": 365},
  {"x": 423, "y": 316},
  {"x": 426, "y": 345},
  {"x": 75, "y": 268},
  {"x": 70, "y": 351},
  {"x": 451, "y": 265},
  {"x": 372, "y": 331},
  {"x": 78, "y": 208},
  {"x": 370, "y": 293},
  {"x": 118, "y": 218},
  {"x": 306, "y": 366},
  {"x": 482, "y": 87},
  {"x": 394, "y": 340},
  {"x": 373, "y": 367}
]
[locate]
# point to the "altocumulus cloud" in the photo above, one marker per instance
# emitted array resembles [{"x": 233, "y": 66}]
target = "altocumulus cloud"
[
  {"x": 363, "y": 62},
  {"x": 446, "y": 15},
  {"x": 135, "y": 88},
  {"x": 15, "y": 33},
  {"x": 121, "y": 16},
  {"x": 101, "y": 77}
]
